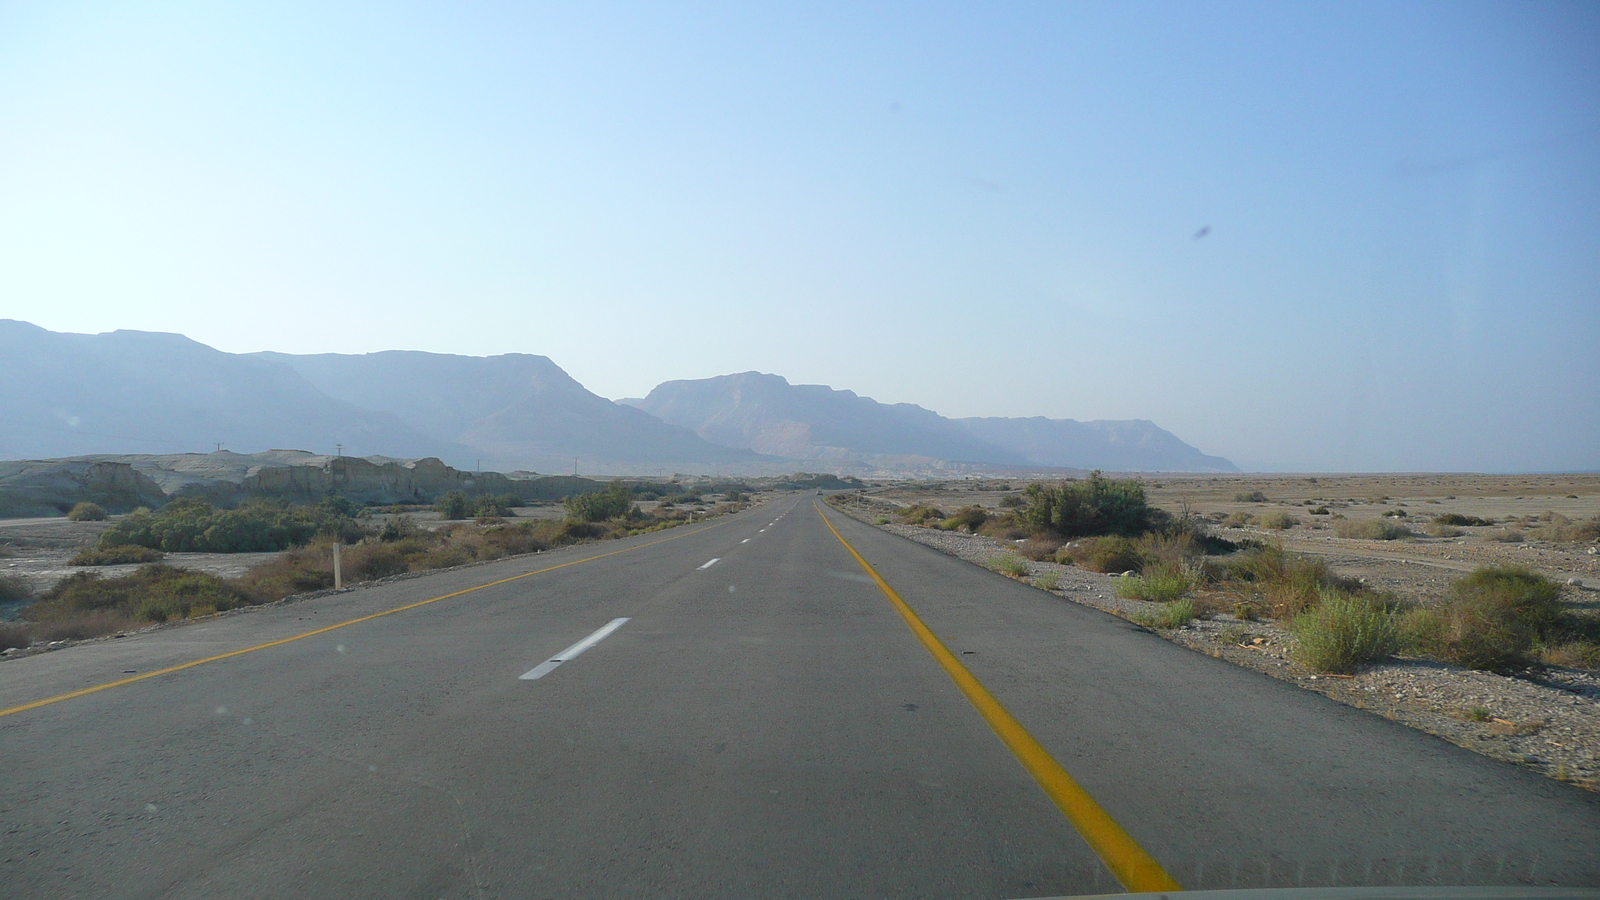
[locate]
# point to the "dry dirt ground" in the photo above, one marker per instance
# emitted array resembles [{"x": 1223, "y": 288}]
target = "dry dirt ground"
[{"x": 1548, "y": 720}]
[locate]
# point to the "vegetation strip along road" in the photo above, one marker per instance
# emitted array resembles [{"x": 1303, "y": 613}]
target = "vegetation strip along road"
[
  {"x": 121, "y": 682},
  {"x": 1132, "y": 865}
]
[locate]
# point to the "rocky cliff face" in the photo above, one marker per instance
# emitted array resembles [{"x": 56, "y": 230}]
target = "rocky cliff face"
[
  {"x": 52, "y": 487},
  {"x": 768, "y": 414},
  {"x": 1132, "y": 445},
  {"x": 811, "y": 421}
]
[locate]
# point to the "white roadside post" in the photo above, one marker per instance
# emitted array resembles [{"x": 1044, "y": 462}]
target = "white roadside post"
[{"x": 338, "y": 568}]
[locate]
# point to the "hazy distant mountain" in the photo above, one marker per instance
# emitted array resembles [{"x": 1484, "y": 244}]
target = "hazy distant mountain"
[
  {"x": 140, "y": 392},
  {"x": 516, "y": 409},
  {"x": 811, "y": 421},
  {"x": 768, "y": 414},
  {"x": 1130, "y": 445},
  {"x": 147, "y": 392}
]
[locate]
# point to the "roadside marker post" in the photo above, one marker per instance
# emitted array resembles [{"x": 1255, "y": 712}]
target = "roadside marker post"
[{"x": 338, "y": 567}]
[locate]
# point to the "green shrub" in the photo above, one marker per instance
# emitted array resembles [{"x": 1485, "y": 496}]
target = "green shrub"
[
  {"x": 1567, "y": 532},
  {"x": 14, "y": 634},
  {"x": 1320, "y": 511},
  {"x": 1048, "y": 581},
  {"x": 399, "y": 528},
  {"x": 1396, "y": 514},
  {"x": 453, "y": 505},
  {"x": 1492, "y": 620},
  {"x": 1013, "y": 501},
  {"x": 1372, "y": 530},
  {"x": 1162, "y": 584},
  {"x": 497, "y": 506},
  {"x": 1582, "y": 654},
  {"x": 1002, "y": 527},
  {"x": 1175, "y": 546},
  {"x": 615, "y": 502},
  {"x": 1343, "y": 632},
  {"x": 1278, "y": 521},
  {"x": 881, "y": 520},
  {"x": 1172, "y": 615},
  {"x": 1095, "y": 506},
  {"x": 192, "y": 525},
  {"x": 15, "y": 589},
  {"x": 1455, "y": 519},
  {"x": 87, "y": 512},
  {"x": 972, "y": 517},
  {"x": 1251, "y": 497},
  {"x": 111, "y": 556},
  {"x": 921, "y": 513},
  {"x": 1009, "y": 564},
  {"x": 1238, "y": 520},
  {"x": 153, "y": 593},
  {"x": 1501, "y": 536},
  {"x": 1288, "y": 583},
  {"x": 1444, "y": 531},
  {"x": 1103, "y": 554}
]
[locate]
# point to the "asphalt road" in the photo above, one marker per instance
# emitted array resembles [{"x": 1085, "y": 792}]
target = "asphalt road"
[{"x": 764, "y": 726}]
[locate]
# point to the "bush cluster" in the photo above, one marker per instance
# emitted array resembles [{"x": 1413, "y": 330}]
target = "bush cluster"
[
  {"x": 1162, "y": 583},
  {"x": 87, "y": 512},
  {"x": 1278, "y": 521},
  {"x": 1372, "y": 530},
  {"x": 1097, "y": 505},
  {"x": 1496, "y": 618},
  {"x": 1343, "y": 632},
  {"x": 1457, "y": 519},
  {"x": 972, "y": 517},
  {"x": 457, "y": 505},
  {"x": 194, "y": 526},
  {"x": 615, "y": 502},
  {"x": 921, "y": 513},
  {"x": 85, "y": 604},
  {"x": 153, "y": 593},
  {"x": 1009, "y": 564},
  {"x": 1173, "y": 615}
]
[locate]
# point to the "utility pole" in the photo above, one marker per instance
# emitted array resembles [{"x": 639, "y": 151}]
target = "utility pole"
[
  {"x": 574, "y": 467},
  {"x": 339, "y": 448},
  {"x": 219, "y": 445}
]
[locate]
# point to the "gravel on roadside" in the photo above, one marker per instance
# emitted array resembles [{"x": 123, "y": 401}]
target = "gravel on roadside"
[{"x": 1548, "y": 721}]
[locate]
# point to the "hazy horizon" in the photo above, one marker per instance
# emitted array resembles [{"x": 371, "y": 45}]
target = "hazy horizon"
[{"x": 1318, "y": 238}]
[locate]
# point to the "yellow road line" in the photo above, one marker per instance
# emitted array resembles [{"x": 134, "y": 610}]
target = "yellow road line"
[
  {"x": 1132, "y": 865},
  {"x": 84, "y": 692}
]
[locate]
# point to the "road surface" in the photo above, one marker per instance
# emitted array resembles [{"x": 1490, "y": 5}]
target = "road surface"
[{"x": 763, "y": 725}]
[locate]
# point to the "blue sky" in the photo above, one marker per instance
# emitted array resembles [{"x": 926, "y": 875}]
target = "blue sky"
[{"x": 987, "y": 209}]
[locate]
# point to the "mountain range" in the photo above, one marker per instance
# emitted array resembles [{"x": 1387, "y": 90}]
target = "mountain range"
[
  {"x": 767, "y": 414},
  {"x": 142, "y": 392}
]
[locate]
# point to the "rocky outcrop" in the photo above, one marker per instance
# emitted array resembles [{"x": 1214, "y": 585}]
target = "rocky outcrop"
[{"x": 51, "y": 487}]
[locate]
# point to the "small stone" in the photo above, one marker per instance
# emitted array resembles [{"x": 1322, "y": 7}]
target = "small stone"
[{"x": 1575, "y": 582}]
